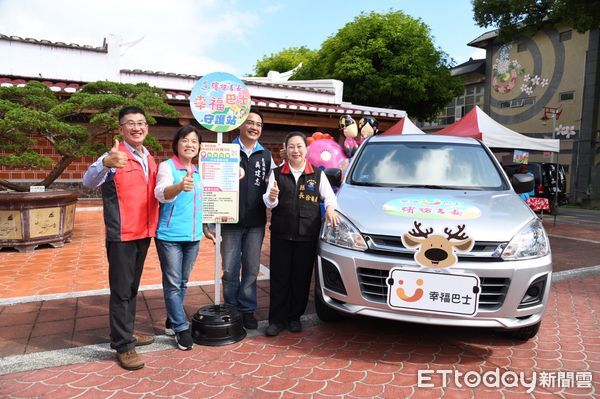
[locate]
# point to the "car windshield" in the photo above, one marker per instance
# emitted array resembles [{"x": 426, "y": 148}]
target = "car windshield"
[{"x": 428, "y": 165}]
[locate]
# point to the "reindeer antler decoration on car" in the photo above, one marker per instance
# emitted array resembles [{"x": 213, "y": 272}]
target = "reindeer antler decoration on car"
[
  {"x": 459, "y": 235},
  {"x": 437, "y": 251}
]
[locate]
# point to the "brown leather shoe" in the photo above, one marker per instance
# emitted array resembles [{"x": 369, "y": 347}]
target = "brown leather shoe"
[
  {"x": 141, "y": 340},
  {"x": 130, "y": 360}
]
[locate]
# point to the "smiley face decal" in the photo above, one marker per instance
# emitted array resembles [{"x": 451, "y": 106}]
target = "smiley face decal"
[{"x": 418, "y": 294}]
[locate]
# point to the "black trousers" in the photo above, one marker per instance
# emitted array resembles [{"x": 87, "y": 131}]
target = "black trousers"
[
  {"x": 125, "y": 265},
  {"x": 292, "y": 264}
]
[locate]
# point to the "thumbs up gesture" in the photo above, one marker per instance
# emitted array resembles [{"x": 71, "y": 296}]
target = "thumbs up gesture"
[
  {"x": 274, "y": 193},
  {"x": 187, "y": 183},
  {"x": 115, "y": 158}
]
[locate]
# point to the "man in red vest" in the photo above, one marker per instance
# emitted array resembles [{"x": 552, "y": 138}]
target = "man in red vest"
[{"x": 126, "y": 176}]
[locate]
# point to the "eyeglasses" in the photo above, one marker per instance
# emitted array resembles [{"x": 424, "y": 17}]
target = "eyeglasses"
[
  {"x": 252, "y": 123},
  {"x": 132, "y": 124}
]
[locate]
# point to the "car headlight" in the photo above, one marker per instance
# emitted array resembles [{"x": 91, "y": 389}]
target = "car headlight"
[
  {"x": 530, "y": 242},
  {"x": 344, "y": 235}
]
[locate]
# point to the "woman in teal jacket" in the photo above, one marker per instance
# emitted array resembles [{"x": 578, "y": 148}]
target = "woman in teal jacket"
[{"x": 180, "y": 228}]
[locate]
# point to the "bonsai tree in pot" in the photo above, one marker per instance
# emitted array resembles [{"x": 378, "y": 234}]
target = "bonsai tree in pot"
[
  {"x": 71, "y": 126},
  {"x": 33, "y": 115}
]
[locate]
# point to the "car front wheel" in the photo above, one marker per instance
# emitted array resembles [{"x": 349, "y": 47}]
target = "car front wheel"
[
  {"x": 525, "y": 333},
  {"x": 324, "y": 312}
]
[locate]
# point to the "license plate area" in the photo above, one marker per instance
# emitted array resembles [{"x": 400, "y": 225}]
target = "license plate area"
[{"x": 433, "y": 292}]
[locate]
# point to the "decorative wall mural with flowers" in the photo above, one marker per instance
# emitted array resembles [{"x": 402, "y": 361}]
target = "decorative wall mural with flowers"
[
  {"x": 505, "y": 73},
  {"x": 567, "y": 131},
  {"x": 530, "y": 82}
]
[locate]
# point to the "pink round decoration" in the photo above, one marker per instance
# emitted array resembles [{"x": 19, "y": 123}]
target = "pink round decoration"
[{"x": 325, "y": 153}]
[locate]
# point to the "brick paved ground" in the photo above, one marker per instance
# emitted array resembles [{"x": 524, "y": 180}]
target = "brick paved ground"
[{"x": 355, "y": 358}]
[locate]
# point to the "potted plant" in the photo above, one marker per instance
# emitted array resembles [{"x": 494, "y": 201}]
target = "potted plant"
[{"x": 33, "y": 115}]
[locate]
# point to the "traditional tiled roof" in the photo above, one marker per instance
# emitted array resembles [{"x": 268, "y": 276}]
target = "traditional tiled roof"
[
  {"x": 482, "y": 40},
  {"x": 72, "y": 87},
  {"x": 65, "y": 87},
  {"x": 288, "y": 85},
  {"x": 468, "y": 67},
  {"x": 102, "y": 49},
  {"x": 318, "y": 96}
]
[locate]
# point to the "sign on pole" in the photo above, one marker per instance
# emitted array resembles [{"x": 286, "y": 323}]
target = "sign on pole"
[
  {"x": 219, "y": 165},
  {"x": 220, "y": 102}
]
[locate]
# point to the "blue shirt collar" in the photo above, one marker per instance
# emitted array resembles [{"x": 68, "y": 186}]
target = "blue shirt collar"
[
  {"x": 144, "y": 153},
  {"x": 257, "y": 146}
]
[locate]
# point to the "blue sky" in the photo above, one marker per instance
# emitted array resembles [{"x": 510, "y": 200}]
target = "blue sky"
[
  {"x": 202, "y": 36},
  {"x": 310, "y": 23}
]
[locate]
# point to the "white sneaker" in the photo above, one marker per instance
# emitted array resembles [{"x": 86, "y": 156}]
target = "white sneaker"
[
  {"x": 184, "y": 340},
  {"x": 168, "y": 330}
]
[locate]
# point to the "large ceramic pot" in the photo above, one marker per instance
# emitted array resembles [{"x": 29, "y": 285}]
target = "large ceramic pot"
[{"x": 31, "y": 219}]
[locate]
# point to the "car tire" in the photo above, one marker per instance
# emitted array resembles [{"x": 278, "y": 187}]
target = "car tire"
[
  {"x": 324, "y": 312},
  {"x": 525, "y": 333}
]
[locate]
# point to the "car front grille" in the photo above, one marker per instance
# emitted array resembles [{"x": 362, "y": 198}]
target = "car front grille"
[
  {"x": 373, "y": 287},
  {"x": 482, "y": 251}
]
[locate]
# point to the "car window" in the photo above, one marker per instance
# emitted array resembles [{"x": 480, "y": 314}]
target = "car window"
[
  {"x": 534, "y": 168},
  {"x": 444, "y": 165}
]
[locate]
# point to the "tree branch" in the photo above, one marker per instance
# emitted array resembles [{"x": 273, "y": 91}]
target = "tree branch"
[
  {"x": 13, "y": 186},
  {"x": 57, "y": 170},
  {"x": 93, "y": 135}
]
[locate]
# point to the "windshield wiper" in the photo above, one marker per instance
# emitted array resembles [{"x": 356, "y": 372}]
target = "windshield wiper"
[
  {"x": 426, "y": 186},
  {"x": 369, "y": 184},
  {"x": 438, "y": 187},
  {"x": 430, "y": 186}
]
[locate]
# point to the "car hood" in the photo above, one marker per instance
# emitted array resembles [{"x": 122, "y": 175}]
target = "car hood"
[{"x": 487, "y": 215}]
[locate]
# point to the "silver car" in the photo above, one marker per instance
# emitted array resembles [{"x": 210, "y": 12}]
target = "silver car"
[{"x": 433, "y": 232}]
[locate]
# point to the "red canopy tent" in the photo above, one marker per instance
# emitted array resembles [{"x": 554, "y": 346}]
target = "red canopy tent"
[
  {"x": 480, "y": 125},
  {"x": 403, "y": 126}
]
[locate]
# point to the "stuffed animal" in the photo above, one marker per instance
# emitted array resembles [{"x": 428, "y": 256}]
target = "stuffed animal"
[
  {"x": 350, "y": 130},
  {"x": 367, "y": 126}
]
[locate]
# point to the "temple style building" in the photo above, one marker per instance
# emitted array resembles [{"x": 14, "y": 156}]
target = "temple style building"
[{"x": 305, "y": 105}]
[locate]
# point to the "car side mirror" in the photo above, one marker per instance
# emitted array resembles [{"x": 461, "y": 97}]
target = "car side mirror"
[
  {"x": 334, "y": 175},
  {"x": 522, "y": 182}
]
